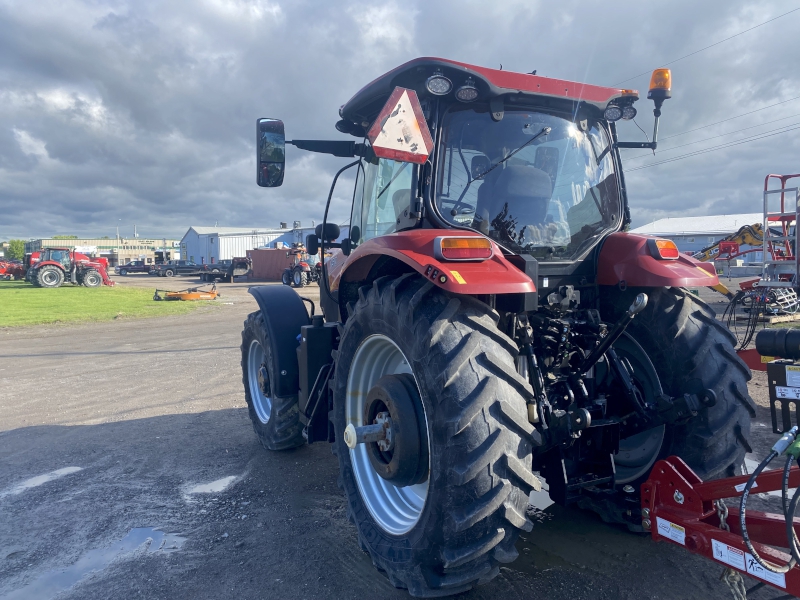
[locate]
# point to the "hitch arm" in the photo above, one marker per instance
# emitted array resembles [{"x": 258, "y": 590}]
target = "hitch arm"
[{"x": 638, "y": 306}]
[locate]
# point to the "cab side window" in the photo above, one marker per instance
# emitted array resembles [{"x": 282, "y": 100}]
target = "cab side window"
[{"x": 383, "y": 191}]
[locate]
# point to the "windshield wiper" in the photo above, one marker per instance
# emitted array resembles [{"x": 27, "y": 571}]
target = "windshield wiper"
[{"x": 544, "y": 131}]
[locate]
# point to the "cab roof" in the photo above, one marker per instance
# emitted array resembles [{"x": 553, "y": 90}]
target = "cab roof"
[{"x": 362, "y": 108}]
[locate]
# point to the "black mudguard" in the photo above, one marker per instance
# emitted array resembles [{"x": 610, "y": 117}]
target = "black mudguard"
[{"x": 284, "y": 314}]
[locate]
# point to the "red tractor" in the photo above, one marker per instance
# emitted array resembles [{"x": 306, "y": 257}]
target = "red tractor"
[
  {"x": 301, "y": 273},
  {"x": 489, "y": 322},
  {"x": 54, "y": 266}
]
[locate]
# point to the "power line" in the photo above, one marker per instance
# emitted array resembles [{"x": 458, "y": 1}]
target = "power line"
[
  {"x": 729, "y": 119},
  {"x": 713, "y": 149},
  {"x": 669, "y": 149},
  {"x": 712, "y": 45}
]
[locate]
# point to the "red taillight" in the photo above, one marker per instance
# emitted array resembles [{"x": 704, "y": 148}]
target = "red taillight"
[
  {"x": 462, "y": 248},
  {"x": 664, "y": 249}
]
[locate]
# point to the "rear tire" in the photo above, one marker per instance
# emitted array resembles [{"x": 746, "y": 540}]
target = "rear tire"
[
  {"x": 169, "y": 273},
  {"x": 299, "y": 278},
  {"x": 470, "y": 514},
  {"x": 276, "y": 420},
  {"x": 92, "y": 278},
  {"x": 690, "y": 348},
  {"x": 49, "y": 276}
]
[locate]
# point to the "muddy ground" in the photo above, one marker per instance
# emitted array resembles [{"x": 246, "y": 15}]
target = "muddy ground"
[{"x": 128, "y": 468}]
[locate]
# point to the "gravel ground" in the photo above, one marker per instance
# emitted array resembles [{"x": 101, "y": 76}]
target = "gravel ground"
[{"x": 109, "y": 430}]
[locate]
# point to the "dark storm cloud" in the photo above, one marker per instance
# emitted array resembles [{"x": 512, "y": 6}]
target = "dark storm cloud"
[{"x": 143, "y": 112}]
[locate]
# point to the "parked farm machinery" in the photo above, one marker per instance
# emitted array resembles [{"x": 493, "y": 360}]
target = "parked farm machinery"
[
  {"x": 488, "y": 323},
  {"x": 56, "y": 266}
]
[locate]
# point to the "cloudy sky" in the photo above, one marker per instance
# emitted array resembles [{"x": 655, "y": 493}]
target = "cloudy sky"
[{"x": 115, "y": 113}]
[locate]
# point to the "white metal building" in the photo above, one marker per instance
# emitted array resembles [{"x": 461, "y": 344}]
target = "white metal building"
[
  {"x": 208, "y": 245},
  {"x": 692, "y": 234}
]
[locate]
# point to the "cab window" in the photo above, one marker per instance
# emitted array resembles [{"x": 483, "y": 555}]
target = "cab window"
[{"x": 383, "y": 191}]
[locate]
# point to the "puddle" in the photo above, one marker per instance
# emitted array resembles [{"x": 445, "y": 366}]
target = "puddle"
[
  {"x": 210, "y": 488},
  {"x": 540, "y": 500},
  {"x": 40, "y": 480},
  {"x": 56, "y": 581}
]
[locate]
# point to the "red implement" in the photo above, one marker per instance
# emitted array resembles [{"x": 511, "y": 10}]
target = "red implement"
[{"x": 679, "y": 507}]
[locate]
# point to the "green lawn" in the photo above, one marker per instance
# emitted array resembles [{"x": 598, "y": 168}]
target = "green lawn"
[{"x": 23, "y": 304}]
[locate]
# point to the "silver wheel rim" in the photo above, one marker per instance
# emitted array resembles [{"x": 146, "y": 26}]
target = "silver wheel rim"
[
  {"x": 49, "y": 277},
  {"x": 298, "y": 277},
  {"x": 395, "y": 509},
  {"x": 93, "y": 280},
  {"x": 261, "y": 402}
]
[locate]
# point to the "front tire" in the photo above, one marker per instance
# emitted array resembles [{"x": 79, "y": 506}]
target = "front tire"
[
  {"x": 286, "y": 277},
  {"x": 454, "y": 529},
  {"x": 123, "y": 272},
  {"x": 276, "y": 420},
  {"x": 92, "y": 278}
]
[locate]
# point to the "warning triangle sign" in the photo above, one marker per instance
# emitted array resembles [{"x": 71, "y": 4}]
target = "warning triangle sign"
[{"x": 400, "y": 131}]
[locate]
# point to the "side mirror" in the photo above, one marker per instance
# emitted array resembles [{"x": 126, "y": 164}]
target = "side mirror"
[
  {"x": 332, "y": 232},
  {"x": 271, "y": 152},
  {"x": 312, "y": 244}
]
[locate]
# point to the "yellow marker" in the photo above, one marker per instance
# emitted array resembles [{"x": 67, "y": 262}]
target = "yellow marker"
[{"x": 457, "y": 276}]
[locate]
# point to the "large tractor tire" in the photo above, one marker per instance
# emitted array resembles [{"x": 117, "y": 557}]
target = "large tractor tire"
[
  {"x": 299, "y": 278},
  {"x": 691, "y": 350},
  {"x": 92, "y": 278},
  {"x": 276, "y": 420},
  {"x": 286, "y": 277},
  {"x": 447, "y": 525},
  {"x": 49, "y": 276}
]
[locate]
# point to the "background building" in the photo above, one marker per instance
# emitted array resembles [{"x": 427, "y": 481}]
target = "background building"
[
  {"x": 118, "y": 251},
  {"x": 692, "y": 234},
  {"x": 208, "y": 245}
]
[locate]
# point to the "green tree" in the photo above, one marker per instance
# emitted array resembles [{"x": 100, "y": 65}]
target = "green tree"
[
  {"x": 16, "y": 249},
  {"x": 65, "y": 237}
]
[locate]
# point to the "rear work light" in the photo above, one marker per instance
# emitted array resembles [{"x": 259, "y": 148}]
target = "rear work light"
[
  {"x": 462, "y": 248},
  {"x": 664, "y": 249}
]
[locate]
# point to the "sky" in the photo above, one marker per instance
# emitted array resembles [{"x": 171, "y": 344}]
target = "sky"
[{"x": 120, "y": 113}]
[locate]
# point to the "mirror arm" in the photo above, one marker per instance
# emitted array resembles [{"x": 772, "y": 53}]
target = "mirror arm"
[{"x": 344, "y": 149}]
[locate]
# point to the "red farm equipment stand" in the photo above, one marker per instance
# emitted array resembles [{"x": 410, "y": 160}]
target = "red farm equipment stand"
[
  {"x": 488, "y": 323},
  {"x": 52, "y": 267}
]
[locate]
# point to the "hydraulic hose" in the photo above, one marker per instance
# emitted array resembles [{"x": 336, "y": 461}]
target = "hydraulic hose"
[
  {"x": 743, "y": 524},
  {"x": 780, "y": 446},
  {"x": 791, "y": 534}
]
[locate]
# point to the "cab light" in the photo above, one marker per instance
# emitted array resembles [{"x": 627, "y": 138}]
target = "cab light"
[
  {"x": 462, "y": 248},
  {"x": 438, "y": 84},
  {"x": 613, "y": 113},
  {"x": 663, "y": 249}
]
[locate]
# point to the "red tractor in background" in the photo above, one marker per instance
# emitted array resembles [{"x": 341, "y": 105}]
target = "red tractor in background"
[
  {"x": 55, "y": 266},
  {"x": 301, "y": 273},
  {"x": 489, "y": 323}
]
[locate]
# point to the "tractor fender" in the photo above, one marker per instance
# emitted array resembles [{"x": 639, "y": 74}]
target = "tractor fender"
[
  {"x": 626, "y": 259},
  {"x": 495, "y": 275},
  {"x": 284, "y": 313}
]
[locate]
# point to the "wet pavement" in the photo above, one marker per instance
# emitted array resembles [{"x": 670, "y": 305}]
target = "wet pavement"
[{"x": 128, "y": 467}]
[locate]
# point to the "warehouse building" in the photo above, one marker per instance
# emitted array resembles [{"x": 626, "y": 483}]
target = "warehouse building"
[
  {"x": 209, "y": 245},
  {"x": 692, "y": 234}
]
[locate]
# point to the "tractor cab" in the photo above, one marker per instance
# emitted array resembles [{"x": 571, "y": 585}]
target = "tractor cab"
[{"x": 62, "y": 256}]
